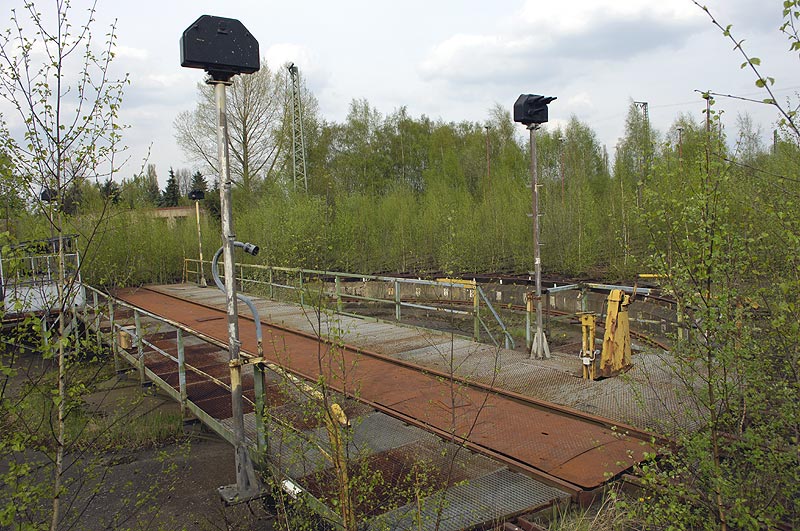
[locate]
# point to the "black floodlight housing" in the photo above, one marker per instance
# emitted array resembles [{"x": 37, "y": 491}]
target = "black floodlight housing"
[
  {"x": 221, "y": 46},
  {"x": 48, "y": 195},
  {"x": 250, "y": 248},
  {"x": 197, "y": 195},
  {"x": 531, "y": 108}
]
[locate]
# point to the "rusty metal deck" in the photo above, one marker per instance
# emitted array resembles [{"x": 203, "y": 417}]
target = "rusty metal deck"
[{"x": 557, "y": 445}]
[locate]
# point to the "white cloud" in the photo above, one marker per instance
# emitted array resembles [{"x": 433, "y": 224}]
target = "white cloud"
[
  {"x": 314, "y": 74},
  {"x": 580, "y": 100},
  {"x": 545, "y": 42},
  {"x": 279, "y": 54},
  {"x": 128, "y": 52}
]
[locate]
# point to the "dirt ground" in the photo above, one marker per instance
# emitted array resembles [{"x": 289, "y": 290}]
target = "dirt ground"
[
  {"x": 167, "y": 487},
  {"x": 187, "y": 473}
]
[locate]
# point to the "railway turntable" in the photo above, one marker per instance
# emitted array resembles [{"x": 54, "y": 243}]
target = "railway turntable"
[{"x": 420, "y": 444}]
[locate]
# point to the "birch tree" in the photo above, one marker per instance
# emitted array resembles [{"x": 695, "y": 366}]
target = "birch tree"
[
  {"x": 58, "y": 81},
  {"x": 256, "y": 107}
]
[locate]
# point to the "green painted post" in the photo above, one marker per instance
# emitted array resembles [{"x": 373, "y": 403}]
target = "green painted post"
[
  {"x": 258, "y": 389},
  {"x": 139, "y": 346},
  {"x": 182, "y": 372},
  {"x": 114, "y": 345}
]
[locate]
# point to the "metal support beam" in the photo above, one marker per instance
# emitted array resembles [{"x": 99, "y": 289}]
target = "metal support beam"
[
  {"x": 476, "y": 316},
  {"x": 200, "y": 244}
]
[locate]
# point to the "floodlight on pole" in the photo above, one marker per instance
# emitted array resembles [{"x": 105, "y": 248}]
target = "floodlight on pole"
[
  {"x": 224, "y": 48},
  {"x": 531, "y": 110}
]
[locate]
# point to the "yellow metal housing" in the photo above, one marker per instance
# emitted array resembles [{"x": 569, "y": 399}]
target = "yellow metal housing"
[{"x": 615, "y": 356}]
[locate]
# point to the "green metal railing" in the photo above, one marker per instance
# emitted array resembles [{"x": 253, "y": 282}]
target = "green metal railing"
[
  {"x": 101, "y": 306},
  {"x": 442, "y": 296}
]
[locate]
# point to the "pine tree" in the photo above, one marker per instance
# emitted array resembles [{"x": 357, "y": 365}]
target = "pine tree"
[
  {"x": 198, "y": 182},
  {"x": 171, "y": 194}
]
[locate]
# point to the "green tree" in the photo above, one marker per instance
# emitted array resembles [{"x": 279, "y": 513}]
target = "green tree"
[
  {"x": 171, "y": 195},
  {"x": 727, "y": 245},
  {"x": 11, "y": 191},
  {"x": 198, "y": 182},
  {"x": 142, "y": 190},
  {"x": 256, "y": 105},
  {"x": 111, "y": 190},
  {"x": 68, "y": 104}
]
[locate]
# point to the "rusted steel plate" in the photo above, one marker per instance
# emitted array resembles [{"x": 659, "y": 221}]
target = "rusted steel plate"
[{"x": 577, "y": 451}]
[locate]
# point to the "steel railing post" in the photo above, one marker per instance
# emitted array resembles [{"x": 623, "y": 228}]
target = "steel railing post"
[
  {"x": 528, "y": 320},
  {"x": 181, "y": 372},
  {"x": 139, "y": 346},
  {"x": 302, "y": 297},
  {"x": 476, "y": 322},
  {"x": 97, "y": 335},
  {"x": 258, "y": 389},
  {"x": 547, "y": 313},
  {"x": 397, "y": 300},
  {"x": 114, "y": 345},
  {"x": 338, "y": 282},
  {"x": 271, "y": 294}
]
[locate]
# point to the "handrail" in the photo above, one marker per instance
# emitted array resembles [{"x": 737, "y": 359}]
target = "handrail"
[
  {"x": 508, "y": 339},
  {"x": 337, "y": 295},
  {"x": 170, "y": 322}
]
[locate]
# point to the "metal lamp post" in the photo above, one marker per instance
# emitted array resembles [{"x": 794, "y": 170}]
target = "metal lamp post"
[
  {"x": 224, "y": 48},
  {"x": 531, "y": 110}
]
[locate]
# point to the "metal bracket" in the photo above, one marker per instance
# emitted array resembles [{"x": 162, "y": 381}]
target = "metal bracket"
[{"x": 241, "y": 362}]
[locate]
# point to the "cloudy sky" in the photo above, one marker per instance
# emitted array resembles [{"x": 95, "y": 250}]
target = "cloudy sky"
[{"x": 454, "y": 59}]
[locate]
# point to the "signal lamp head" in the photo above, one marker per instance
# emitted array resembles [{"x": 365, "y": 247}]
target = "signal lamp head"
[
  {"x": 221, "y": 46},
  {"x": 531, "y": 108}
]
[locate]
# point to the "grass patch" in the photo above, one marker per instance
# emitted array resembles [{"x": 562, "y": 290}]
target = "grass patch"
[
  {"x": 130, "y": 422},
  {"x": 131, "y": 431},
  {"x": 605, "y": 515}
]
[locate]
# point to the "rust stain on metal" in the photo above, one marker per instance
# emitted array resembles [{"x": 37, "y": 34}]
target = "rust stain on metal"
[{"x": 576, "y": 451}]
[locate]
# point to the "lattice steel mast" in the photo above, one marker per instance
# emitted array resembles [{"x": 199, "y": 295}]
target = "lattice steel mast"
[{"x": 298, "y": 139}]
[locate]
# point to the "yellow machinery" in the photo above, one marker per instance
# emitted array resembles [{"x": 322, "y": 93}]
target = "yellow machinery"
[{"x": 615, "y": 357}]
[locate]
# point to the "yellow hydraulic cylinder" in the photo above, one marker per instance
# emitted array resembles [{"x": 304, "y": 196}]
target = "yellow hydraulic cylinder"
[{"x": 616, "y": 354}]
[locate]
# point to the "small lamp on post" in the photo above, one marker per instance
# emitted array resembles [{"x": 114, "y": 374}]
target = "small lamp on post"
[
  {"x": 224, "y": 48},
  {"x": 197, "y": 196},
  {"x": 531, "y": 110}
]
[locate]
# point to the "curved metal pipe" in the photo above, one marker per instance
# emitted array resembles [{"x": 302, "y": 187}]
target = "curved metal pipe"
[{"x": 251, "y": 249}]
